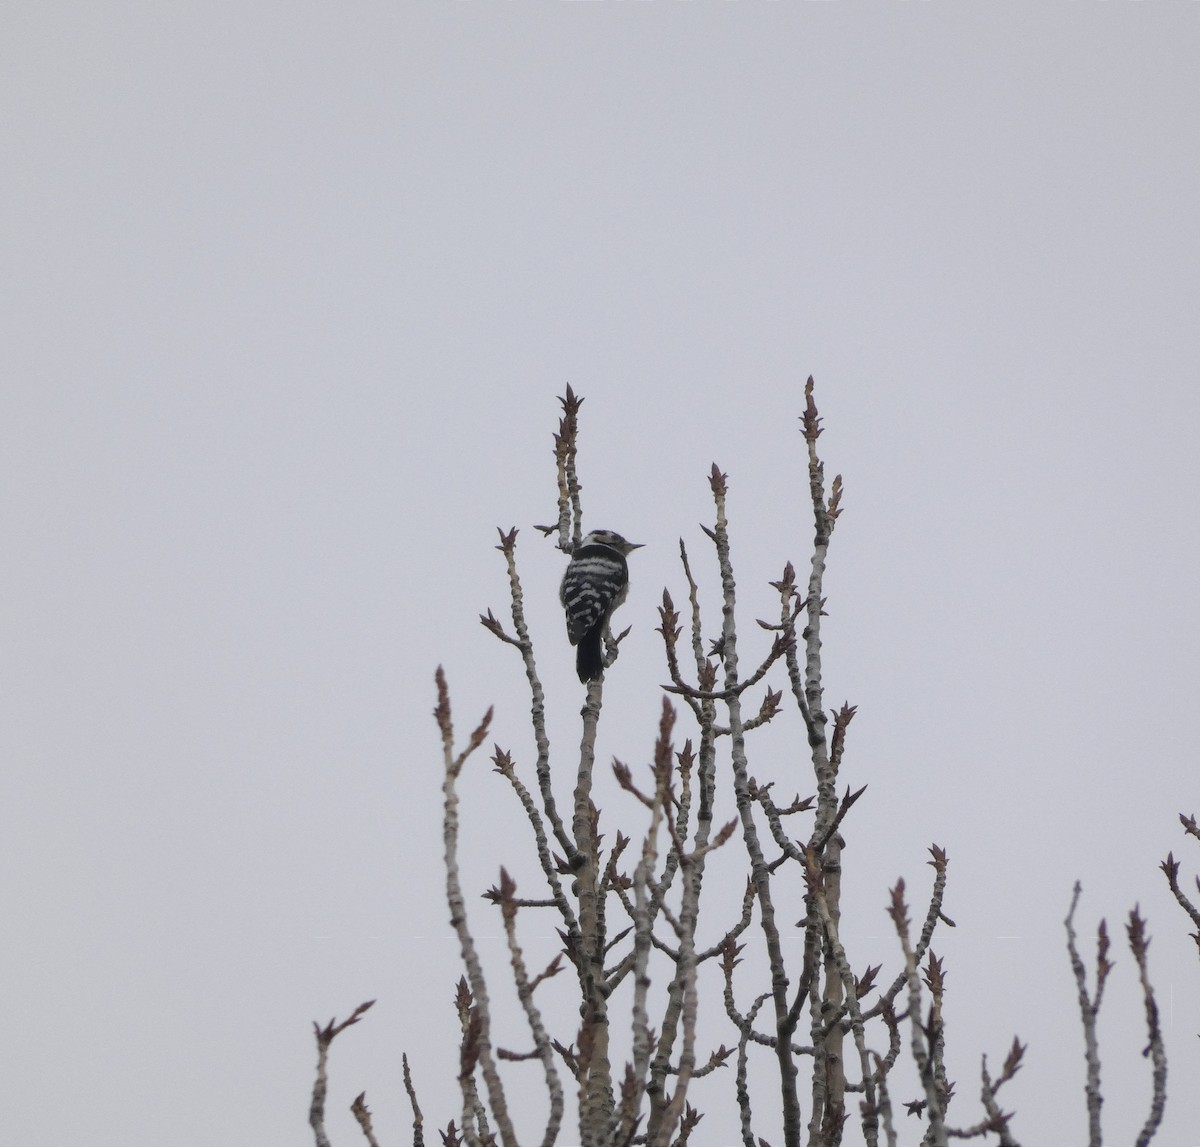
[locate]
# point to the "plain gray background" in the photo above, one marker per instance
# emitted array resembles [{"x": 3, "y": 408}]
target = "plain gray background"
[{"x": 289, "y": 292}]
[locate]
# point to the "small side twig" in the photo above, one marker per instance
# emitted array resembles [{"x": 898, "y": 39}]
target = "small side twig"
[
  {"x": 325, "y": 1036},
  {"x": 1170, "y": 869}
]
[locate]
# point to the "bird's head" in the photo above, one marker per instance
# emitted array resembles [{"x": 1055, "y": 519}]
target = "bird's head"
[{"x": 612, "y": 539}]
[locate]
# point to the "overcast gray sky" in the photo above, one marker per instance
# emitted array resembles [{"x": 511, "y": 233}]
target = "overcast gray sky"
[{"x": 290, "y": 292}]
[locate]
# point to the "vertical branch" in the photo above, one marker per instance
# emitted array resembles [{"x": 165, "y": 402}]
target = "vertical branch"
[
  {"x": 759, "y": 871},
  {"x": 678, "y": 1112},
  {"x": 418, "y": 1119},
  {"x": 595, "y": 1073},
  {"x": 935, "y": 980},
  {"x": 481, "y": 1043},
  {"x": 1138, "y": 943},
  {"x": 537, "y": 713},
  {"x": 643, "y": 898},
  {"x": 829, "y": 1079},
  {"x": 898, "y": 910},
  {"x": 706, "y": 675},
  {"x": 1089, "y": 1008},
  {"x": 846, "y": 978},
  {"x": 885, "y": 1102},
  {"x": 507, "y": 899},
  {"x": 597, "y": 1100},
  {"x": 475, "y": 1127},
  {"x": 316, "y": 1110},
  {"x": 746, "y": 1027},
  {"x": 360, "y": 1112},
  {"x": 686, "y": 977},
  {"x": 812, "y": 691},
  {"x": 809, "y": 991},
  {"x": 832, "y": 992},
  {"x": 808, "y": 690},
  {"x": 570, "y": 513},
  {"x": 681, "y": 997},
  {"x": 682, "y": 983}
]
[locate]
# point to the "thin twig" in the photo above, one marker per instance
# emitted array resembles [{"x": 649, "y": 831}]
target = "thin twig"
[
  {"x": 789, "y": 1099},
  {"x": 525, "y": 989},
  {"x": 537, "y": 710},
  {"x": 1089, "y": 1008},
  {"x": 360, "y": 1112},
  {"x": 480, "y": 1044},
  {"x": 1138, "y": 943},
  {"x": 418, "y": 1119},
  {"x": 918, "y": 1040},
  {"x": 325, "y": 1036}
]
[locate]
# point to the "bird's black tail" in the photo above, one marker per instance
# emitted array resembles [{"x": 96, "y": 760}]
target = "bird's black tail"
[{"x": 589, "y": 656}]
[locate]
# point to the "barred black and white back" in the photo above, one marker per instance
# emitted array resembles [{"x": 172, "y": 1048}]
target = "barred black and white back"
[{"x": 596, "y": 582}]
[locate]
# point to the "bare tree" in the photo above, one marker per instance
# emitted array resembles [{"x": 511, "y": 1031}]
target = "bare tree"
[{"x": 813, "y": 1043}]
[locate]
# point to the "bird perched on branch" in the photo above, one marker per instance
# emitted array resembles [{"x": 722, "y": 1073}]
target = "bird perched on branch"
[{"x": 596, "y": 582}]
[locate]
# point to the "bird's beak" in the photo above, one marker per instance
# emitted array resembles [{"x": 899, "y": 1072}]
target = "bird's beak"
[{"x": 635, "y": 545}]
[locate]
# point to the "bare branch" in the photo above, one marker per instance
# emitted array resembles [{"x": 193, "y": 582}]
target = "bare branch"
[
  {"x": 643, "y": 882},
  {"x": 934, "y": 1101},
  {"x": 1170, "y": 869},
  {"x": 597, "y": 1101},
  {"x": 570, "y": 515},
  {"x": 884, "y": 1101},
  {"x": 759, "y": 873},
  {"x": 478, "y": 1046},
  {"x": 537, "y": 696},
  {"x": 359, "y": 1110},
  {"x": 933, "y": 916},
  {"x": 525, "y": 990},
  {"x": 743, "y": 1083},
  {"x": 504, "y": 766},
  {"x": 325, "y": 1036},
  {"x": 1138, "y": 943},
  {"x": 852, "y": 990},
  {"x": 418, "y": 1119},
  {"x": 1089, "y": 1008},
  {"x": 997, "y": 1120}
]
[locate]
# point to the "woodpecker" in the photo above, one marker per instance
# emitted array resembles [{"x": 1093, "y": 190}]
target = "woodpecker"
[{"x": 596, "y": 582}]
